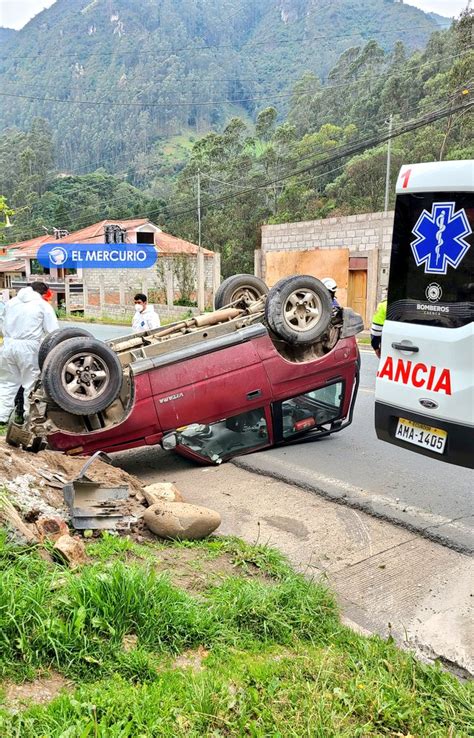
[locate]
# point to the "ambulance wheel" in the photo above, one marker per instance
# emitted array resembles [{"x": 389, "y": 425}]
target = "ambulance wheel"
[
  {"x": 298, "y": 309},
  {"x": 82, "y": 375},
  {"x": 245, "y": 288},
  {"x": 54, "y": 338}
]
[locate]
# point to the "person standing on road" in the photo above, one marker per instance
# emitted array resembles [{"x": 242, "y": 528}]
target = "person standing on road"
[
  {"x": 27, "y": 318},
  {"x": 377, "y": 326},
  {"x": 145, "y": 318},
  {"x": 331, "y": 286}
]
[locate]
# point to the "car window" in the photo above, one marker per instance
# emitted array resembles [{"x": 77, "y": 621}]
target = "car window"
[
  {"x": 314, "y": 408},
  {"x": 227, "y": 437},
  {"x": 431, "y": 268}
]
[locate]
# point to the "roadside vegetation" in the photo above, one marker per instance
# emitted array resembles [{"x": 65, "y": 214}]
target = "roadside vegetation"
[{"x": 211, "y": 638}]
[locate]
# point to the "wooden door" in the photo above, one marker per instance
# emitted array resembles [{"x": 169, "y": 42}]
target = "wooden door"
[{"x": 357, "y": 292}]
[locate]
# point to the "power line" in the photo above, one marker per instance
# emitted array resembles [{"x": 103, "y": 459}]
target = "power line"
[
  {"x": 109, "y": 103},
  {"x": 321, "y": 89},
  {"x": 348, "y": 151},
  {"x": 227, "y": 46},
  {"x": 341, "y": 151},
  {"x": 197, "y": 103}
]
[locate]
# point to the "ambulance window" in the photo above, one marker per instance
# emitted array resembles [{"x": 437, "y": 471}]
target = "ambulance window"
[{"x": 431, "y": 269}]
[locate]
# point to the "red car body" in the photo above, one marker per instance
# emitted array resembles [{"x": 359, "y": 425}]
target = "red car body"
[{"x": 232, "y": 377}]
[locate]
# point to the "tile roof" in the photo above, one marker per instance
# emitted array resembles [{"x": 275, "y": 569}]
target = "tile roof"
[
  {"x": 167, "y": 244},
  {"x": 164, "y": 242},
  {"x": 29, "y": 248},
  {"x": 15, "y": 265}
]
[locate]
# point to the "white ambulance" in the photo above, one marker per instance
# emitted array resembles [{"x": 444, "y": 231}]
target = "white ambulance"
[{"x": 424, "y": 396}]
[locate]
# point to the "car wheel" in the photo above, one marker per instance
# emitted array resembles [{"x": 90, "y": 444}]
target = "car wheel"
[
  {"x": 298, "y": 309},
  {"x": 245, "y": 288},
  {"x": 82, "y": 375},
  {"x": 54, "y": 338}
]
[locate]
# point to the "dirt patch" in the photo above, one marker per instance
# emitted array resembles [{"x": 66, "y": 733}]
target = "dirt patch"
[
  {"x": 41, "y": 690},
  {"x": 35, "y": 481},
  {"x": 193, "y": 571},
  {"x": 15, "y": 462},
  {"x": 191, "y": 659}
]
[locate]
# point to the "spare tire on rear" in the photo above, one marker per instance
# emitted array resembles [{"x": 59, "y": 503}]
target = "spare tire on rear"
[
  {"x": 298, "y": 309},
  {"x": 54, "y": 338},
  {"x": 82, "y": 375},
  {"x": 244, "y": 288}
]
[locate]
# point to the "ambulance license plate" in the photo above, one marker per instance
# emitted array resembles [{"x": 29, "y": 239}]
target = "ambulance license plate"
[{"x": 433, "y": 439}]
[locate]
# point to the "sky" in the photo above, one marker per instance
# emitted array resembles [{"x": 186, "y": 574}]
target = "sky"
[{"x": 15, "y": 13}]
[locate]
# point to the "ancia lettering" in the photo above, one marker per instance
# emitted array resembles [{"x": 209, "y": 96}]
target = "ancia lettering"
[{"x": 418, "y": 375}]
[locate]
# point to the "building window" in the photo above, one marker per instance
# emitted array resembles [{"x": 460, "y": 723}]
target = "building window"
[
  {"x": 145, "y": 237},
  {"x": 37, "y": 268}
]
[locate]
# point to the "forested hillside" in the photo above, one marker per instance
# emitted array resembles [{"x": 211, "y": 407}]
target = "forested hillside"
[
  {"x": 142, "y": 70},
  {"x": 321, "y": 152}
]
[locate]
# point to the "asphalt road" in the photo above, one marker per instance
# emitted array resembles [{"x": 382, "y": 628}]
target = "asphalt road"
[
  {"x": 103, "y": 332},
  {"x": 355, "y": 468}
]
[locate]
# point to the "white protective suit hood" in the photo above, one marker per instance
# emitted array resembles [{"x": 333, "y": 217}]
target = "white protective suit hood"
[{"x": 28, "y": 317}]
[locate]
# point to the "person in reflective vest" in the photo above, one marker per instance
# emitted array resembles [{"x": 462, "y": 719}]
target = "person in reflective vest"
[{"x": 377, "y": 325}]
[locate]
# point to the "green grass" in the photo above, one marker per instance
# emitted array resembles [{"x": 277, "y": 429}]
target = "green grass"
[{"x": 277, "y": 661}]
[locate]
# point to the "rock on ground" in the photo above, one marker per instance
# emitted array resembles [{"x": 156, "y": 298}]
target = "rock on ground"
[
  {"x": 181, "y": 520},
  {"x": 70, "y": 550}
]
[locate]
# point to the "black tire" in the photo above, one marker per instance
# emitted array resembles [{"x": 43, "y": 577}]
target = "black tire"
[
  {"x": 298, "y": 309},
  {"x": 77, "y": 387},
  {"x": 54, "y": 338},
  {"x": 245, "y": 286}
]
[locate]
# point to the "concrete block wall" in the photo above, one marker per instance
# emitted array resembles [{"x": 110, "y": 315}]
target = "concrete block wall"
[
  {"x": 111, "y": 291},
  {"x": 125, "y": 314},
  {"x": 362, "y": 234}
]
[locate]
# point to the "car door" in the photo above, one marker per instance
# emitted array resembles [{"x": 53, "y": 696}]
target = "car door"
[{"x": 209, "y": 387}]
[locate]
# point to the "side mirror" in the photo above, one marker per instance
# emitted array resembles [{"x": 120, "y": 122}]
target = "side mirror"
[{"x": 169, "y": 442}]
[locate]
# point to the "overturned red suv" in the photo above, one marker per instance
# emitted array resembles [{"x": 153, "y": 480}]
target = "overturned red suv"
[{"x": 267, "y": 367}]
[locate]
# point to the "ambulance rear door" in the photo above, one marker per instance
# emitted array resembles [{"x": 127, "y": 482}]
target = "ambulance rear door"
[{"x": 424, "y": 387}]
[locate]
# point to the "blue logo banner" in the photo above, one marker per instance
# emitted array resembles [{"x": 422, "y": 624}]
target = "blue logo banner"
[{"x": 97, "y": 255}]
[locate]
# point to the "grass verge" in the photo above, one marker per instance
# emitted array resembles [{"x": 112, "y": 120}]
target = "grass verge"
[{"x": 273, "y": 656}]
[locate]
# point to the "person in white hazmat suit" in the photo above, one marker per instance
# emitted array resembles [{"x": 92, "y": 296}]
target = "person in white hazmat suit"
[
  {"x": 26, "y": 319},
  {"x": 145, "y": 318}
]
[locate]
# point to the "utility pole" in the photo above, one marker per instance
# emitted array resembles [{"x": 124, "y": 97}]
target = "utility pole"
[
  {"x": 199, "y": 208},
  {"x": 387, "y": 173},
  {"x": 200, "y": 257}
]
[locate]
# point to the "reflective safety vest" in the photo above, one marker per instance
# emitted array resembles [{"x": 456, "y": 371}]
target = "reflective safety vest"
[{"x": 377, "y": 324}]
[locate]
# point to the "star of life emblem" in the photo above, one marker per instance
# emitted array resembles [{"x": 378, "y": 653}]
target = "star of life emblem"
[{"x": 440, "y": 238}]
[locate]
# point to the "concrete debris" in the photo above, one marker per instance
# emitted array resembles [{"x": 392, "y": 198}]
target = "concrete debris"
[
  {"x": 28, "y": 494},
  {"x": 70, "y": 551},
  {"x": 159, "y": 491},
  {"x": 179, "y": 520}
]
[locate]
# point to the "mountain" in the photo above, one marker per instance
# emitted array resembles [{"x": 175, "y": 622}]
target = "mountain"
[
  {"x": 6, "y": 34},
  {"x": 441, "y": 20},
  {"x": 144, "y": 70}
]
